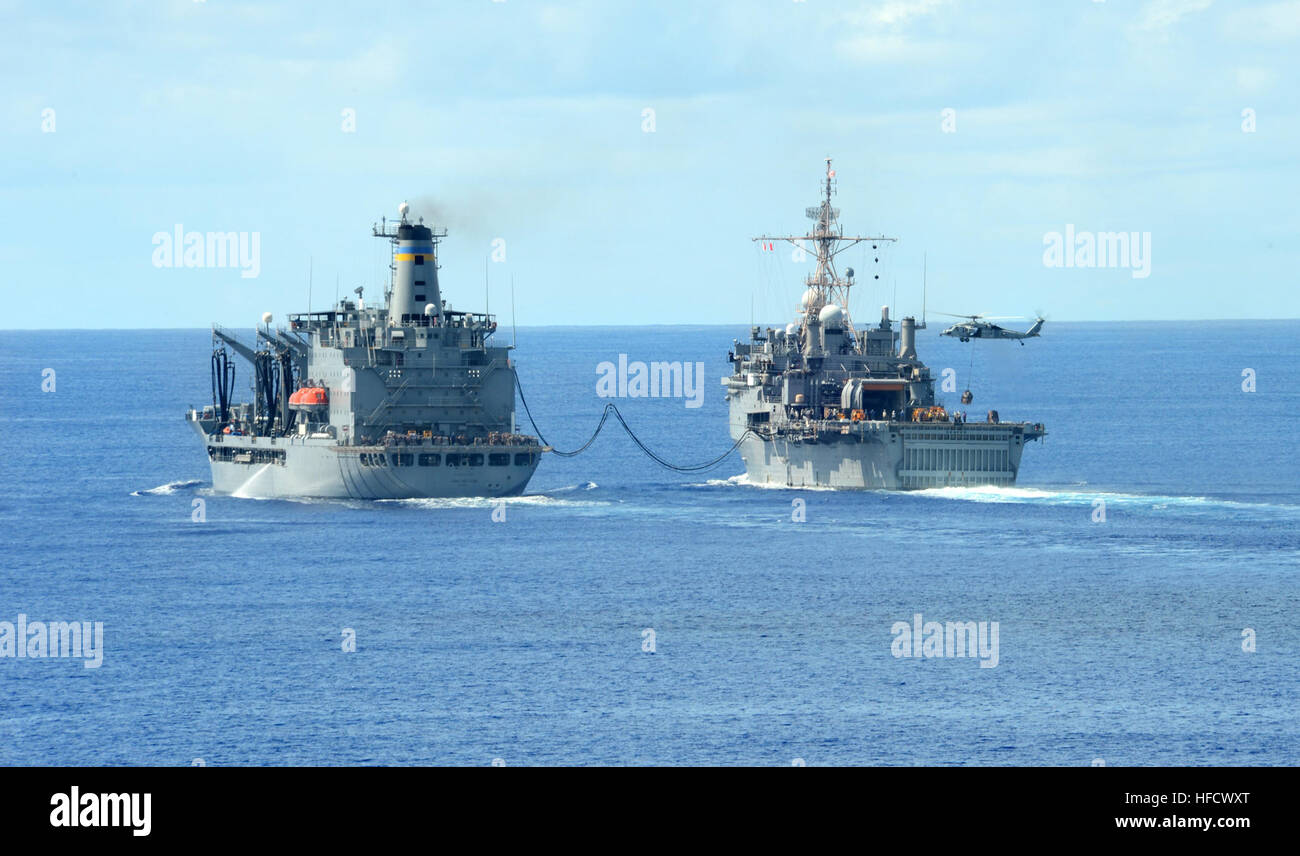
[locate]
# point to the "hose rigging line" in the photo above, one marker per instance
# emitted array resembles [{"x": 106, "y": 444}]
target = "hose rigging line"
[{"x": 604, "y": 417}]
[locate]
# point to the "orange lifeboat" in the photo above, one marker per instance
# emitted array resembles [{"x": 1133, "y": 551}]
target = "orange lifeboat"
[{"x": 309, "y": 396}]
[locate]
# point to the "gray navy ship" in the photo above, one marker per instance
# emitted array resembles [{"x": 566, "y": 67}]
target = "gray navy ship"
[
  {"x": 824, "y": 404},
  {"x": 405, "y": 400}
]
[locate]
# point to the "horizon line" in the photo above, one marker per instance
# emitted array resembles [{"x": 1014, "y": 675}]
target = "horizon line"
[{"x": 641, "y": 326}]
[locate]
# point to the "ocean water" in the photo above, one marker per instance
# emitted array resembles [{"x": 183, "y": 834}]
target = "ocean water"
[{"x": 523, "y": 640}]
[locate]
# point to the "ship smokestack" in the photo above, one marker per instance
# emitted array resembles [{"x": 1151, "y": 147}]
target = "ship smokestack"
[
  {"x": 907, "y": 339},
  {"x": 415, "y": 283}
]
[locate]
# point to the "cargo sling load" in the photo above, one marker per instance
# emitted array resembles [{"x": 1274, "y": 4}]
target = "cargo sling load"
[
  {"x": 404, "y": 400},
  {"x": 822, "y": 403}
]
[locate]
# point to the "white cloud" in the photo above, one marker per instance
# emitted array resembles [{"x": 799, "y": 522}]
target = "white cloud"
[
  {"x": 1253, "y": 79},
  {"x": 1271, "y": 22},
  {"x": 1158, "y": 16},
  {"x": 879, "y": 33},
  {"x": 899, "y": 11},
  {"x": 891, "y": 47}
]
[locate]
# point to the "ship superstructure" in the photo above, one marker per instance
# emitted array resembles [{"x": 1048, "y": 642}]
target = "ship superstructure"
[
  {"x": 822, "y": 403},
  {"x": 401, "y": 400}
]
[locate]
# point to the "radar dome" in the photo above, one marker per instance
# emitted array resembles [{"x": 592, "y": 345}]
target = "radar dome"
[
  {"x": 403, "y": 210},
  {"x": 831, "y": 316},
  {"x": 791, "y": 329},
  {"x": 809, "y": 298},
  {"x": 266, "y": 317},
  {"x": 429, "y": 310}
]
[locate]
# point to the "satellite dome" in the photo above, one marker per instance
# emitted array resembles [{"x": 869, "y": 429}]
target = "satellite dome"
[
  {"x": 403, "y": 209},
  {"x": 831, "y": 316},
  {"x": 809, "y": 298},
  {"x": 791, "y": 329},
  {"x": 266, "y": 317},
  {"x": 428, "y": 309}
]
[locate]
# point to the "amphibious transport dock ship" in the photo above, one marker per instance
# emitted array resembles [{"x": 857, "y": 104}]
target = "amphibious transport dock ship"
[
  {"x": 824, "y": 404},
  {"x": 404, "y": 400}
]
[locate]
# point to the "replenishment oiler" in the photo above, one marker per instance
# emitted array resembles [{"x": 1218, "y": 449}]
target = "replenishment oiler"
[
  {"x": 822, "y": 403},
  {"x": 404, "y": 400}
]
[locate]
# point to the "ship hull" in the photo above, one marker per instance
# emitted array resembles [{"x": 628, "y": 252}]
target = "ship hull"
[
  {"x": 888, "y": 456},
  {"x": 293, "y": 467}
]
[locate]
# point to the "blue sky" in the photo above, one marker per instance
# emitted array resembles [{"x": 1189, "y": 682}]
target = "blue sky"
[{"x": 524, "y": 121}]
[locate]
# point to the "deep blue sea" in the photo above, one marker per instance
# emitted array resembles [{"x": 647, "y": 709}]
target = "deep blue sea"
[{"x": 523, "y": 640}]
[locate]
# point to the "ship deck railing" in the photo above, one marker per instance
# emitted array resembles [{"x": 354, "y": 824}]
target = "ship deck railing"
[
  {"x": 494, "y": 440},
  {"x": 825, "y": 427}
]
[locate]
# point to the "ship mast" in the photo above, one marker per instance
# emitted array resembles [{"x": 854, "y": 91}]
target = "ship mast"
[{"x": 829, "y": 240}]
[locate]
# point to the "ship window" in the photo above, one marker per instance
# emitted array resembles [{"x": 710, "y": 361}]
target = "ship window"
[
  {"x": 455, "y": 459},
  {"x": 476, "y": 460},
  {"x": 499, "y": 459},
  {"x": 403, "y": 459},
  {"x": 430, "y": 460},
  {"x": 420, "y": 298},
  {"x": 523, "y": 459},
  {"x": 419, "y": 260}
]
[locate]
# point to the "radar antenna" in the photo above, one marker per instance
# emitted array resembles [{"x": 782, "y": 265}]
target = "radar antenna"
[{"x": 829, "y": 240}]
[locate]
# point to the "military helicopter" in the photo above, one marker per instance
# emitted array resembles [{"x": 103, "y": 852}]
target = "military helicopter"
[{"x": 981, "y": 327}]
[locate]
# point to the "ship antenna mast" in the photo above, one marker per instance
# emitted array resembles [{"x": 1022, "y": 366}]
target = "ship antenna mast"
[
  {"x": 829, "y": 240},
  {"x": 924, "y": 260}
]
